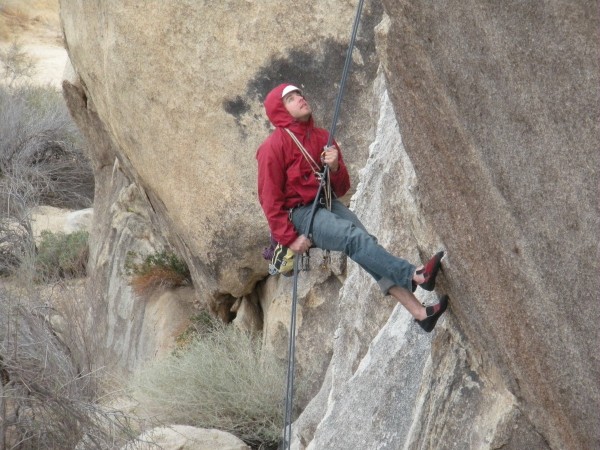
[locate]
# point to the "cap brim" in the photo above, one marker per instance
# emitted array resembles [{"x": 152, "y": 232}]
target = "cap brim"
[{"x": 289, "y": 89}]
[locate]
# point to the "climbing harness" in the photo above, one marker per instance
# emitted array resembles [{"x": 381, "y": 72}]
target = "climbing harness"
[{"x": 324, "y": 189}]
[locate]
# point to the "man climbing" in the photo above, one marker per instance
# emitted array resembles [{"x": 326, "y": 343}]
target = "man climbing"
[{"x": 288, "y": 162}]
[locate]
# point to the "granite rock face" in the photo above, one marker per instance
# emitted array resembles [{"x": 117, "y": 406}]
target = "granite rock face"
[
  {"x": 481, "y": 125},
  {"x": 498, "y": 107}
]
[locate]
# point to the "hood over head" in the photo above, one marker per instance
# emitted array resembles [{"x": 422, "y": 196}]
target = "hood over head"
[{"x": 276, "y": 112}]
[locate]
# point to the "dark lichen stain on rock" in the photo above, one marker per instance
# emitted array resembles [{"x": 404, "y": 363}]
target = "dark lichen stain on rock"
[{"x": 236, "y": 107}]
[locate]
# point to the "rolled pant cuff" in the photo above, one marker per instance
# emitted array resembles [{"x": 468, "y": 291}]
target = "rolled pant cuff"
[{"x": 385, "y": 285}]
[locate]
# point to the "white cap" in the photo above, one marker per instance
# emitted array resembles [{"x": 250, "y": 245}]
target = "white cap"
[{"x": 289, "y": 89}]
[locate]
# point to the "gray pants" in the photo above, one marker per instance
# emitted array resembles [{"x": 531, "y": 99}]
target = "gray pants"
[{"x": 340, "y": 230}]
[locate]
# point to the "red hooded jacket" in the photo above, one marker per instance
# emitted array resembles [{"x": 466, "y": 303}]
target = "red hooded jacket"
[{"x": 285, "y": 178}]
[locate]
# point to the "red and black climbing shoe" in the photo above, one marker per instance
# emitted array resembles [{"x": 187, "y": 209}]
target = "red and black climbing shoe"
[
  {"x": 434, "y": 312},
  {"x": 430, "y": 271}
]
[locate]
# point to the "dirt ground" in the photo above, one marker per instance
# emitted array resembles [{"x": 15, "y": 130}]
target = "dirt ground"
[{"x": 35, "y": 25}]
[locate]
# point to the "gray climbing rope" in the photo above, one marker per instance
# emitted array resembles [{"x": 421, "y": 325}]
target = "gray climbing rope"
[{"x": 289, "y": 393}]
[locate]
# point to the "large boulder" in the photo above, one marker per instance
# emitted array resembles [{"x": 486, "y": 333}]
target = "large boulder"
[
  {"x": 179, "y": 86},
  {"x": 59, "y": 220},
  {"x": 184, "y": 437}
]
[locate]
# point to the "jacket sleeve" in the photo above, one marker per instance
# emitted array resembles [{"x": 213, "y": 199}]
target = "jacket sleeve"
[
  {"x": 340, "y": 180},
  {"x": 271, "y": 191}
]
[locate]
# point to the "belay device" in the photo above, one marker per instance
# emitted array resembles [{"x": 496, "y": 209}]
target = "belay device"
[{"x": 323, "y": 185}]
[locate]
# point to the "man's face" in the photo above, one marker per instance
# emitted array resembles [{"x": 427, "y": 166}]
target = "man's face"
[{"x": 297, "y": 106}]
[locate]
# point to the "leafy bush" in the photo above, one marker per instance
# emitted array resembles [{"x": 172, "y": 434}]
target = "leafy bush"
[
  {"x": 62, "y": 255},
  {"x": 162, "y": 269},
  {"x": 222, "y": 380}
]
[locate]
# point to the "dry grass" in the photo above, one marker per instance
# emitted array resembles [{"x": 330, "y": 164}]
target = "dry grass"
[
  {"x": 21, "y": 16},
  {"x": 41, "y": 161},
  {"x": 53, "y": 392},
  {"x": 224, "y": 380}
]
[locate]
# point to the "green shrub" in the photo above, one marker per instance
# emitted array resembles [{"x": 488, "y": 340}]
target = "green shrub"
[
  {"x": 222, "y": 380},
  {"x": 161, "y": 269},
  {"x": 62, "y": 255}
]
